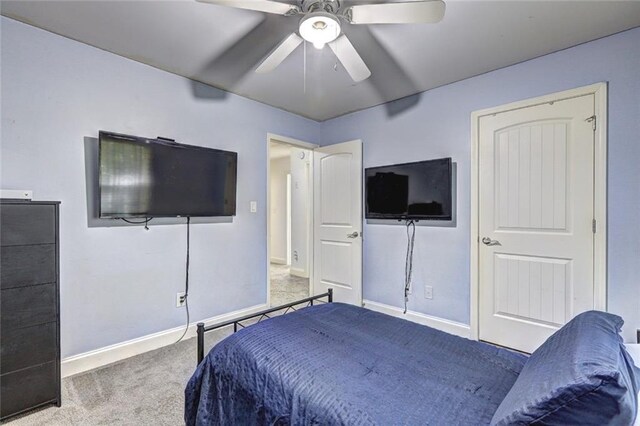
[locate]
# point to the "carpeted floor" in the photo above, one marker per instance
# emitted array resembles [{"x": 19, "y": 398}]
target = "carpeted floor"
[{"x": 147, "y": 389}]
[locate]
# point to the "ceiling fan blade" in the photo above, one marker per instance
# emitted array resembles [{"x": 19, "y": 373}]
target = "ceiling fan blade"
[
  {"x": 266, "y": 6},
  {"x": 350, "y": 58},
  {"x": 415, "y": 12},
  {"x": 280, "y": 53}
]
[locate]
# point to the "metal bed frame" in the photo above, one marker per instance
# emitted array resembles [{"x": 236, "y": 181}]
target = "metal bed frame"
[{"x": 260, "y": 315}]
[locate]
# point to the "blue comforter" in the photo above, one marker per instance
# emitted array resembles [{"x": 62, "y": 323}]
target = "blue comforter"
[{"x": 340, "y": 364}]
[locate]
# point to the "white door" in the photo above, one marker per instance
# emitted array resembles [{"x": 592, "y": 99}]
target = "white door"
[
  {"x": 536, "y": 210},
  {"x": 337, "y": 236}
]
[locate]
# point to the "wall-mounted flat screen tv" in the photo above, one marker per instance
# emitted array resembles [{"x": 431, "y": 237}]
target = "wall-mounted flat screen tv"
[
  {"x": 415, "y": 191},
  {"x": 140, "y": 177}
]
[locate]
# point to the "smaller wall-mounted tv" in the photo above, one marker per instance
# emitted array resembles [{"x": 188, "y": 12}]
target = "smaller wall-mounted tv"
[
  {"x": 410, "y": 191},
  {"x": 140, "y": 177}
]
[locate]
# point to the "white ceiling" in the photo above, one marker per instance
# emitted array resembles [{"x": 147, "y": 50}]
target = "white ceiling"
[{"x": 221, "y": 46}]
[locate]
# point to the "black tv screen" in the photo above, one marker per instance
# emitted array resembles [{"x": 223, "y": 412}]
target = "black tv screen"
[
  {"x": 420, "y": 190},
  {"x": 140, "y": 177}
]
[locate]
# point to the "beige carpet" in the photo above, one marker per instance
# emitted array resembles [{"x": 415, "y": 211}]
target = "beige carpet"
[{"x": 147, "y": 389}]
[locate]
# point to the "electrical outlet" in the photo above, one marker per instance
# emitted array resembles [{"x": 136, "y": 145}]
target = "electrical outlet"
[
  {"x": 181, "y": 299},
  {"x": 253, "y": 206},
  {"x": 428, "y": 292}
]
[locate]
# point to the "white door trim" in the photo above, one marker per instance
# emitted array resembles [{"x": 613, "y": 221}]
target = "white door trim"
[
  {"x": 599, "y": 90},
  {"x": 271, "y": 137}
]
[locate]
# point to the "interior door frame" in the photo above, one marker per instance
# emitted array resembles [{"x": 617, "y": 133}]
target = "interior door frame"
[
  {"x": 599, "y": 90},
  {"x": 271, "y": 137}
]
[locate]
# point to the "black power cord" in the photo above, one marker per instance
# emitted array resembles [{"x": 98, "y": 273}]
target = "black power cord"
[
  {"x": 144, "y": 222},
  {"x": 186, "y": 281},
  {"x": 408, "y": 262}
]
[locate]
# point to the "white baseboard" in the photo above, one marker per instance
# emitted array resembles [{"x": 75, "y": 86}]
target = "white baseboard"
[
  {"x": 452, "y": 327},
  {"x": 278, "y": 261},
  {"x": 109, "y": 354},
  {"x": 298, "y": 272}
]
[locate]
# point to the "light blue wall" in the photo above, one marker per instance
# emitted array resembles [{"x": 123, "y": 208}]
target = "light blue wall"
[
  {"x": 439, "y": 125},
  {"x": 120, "y": 283}
]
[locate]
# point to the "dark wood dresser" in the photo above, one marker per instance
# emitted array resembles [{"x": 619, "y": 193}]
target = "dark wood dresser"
[{"x": 29, "y": 306}]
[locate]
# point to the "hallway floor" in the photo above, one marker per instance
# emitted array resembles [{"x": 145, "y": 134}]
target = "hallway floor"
[{"x": 286, "y": 288}]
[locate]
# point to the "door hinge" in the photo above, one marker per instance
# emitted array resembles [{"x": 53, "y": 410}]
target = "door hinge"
[
  {"x": 593, "y": 120},
  {"x": 593, "y": 226}
]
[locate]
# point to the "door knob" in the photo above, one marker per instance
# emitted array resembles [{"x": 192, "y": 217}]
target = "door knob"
[
  {"x": 354, "y": 234},
  {"x": 489, "y": 242}
]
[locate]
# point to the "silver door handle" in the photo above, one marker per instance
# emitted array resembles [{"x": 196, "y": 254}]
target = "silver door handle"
[
  {"x": 354, "y": 234},
  {"x": 489, "y": 242}
]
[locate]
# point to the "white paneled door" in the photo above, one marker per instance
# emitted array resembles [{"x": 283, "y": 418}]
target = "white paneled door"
[
  {"x": 536, "y": 210},
  {"x": 338, "y": 221}
]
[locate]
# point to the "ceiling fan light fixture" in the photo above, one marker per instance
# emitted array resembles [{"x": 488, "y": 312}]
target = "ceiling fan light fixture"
[{"x": 319, "y": 28}]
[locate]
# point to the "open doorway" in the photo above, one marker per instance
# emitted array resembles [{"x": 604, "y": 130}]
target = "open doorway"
[{"x": 289, "y": 219}]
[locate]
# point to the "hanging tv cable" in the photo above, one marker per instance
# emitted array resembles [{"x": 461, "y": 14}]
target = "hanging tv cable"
[
  {"x": 408, "y": 264},
  {"x": 186, "y": 282}
]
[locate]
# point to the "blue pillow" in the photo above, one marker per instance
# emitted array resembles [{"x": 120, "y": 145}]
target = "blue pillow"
[{"x": 582, "y": 375}]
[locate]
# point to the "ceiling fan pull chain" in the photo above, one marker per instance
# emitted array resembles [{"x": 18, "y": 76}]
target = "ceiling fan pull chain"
[{"x": 304, "y": 70}]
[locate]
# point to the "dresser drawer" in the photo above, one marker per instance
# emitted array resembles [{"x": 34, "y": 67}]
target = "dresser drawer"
[
  {"x": 28, "y": 388},
  {"x": 27, "y": 306},
  {"x": 27, "y": 265},
  {"x": 27, "y": 224},
  {"x": 26, "y": 347}
]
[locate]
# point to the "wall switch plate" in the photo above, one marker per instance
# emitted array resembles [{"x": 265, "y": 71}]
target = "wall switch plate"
[
  {"x": 428, "y": 292},
  {"x": 253, "y": 206},
  {"x": 180, "y": 299}
]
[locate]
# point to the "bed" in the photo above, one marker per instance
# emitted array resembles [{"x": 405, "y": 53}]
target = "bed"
[{"x": 336, "y": 364}]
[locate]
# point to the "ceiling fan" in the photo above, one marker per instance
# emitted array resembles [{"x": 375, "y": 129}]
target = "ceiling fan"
[{"x": 321, "y": 24}]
